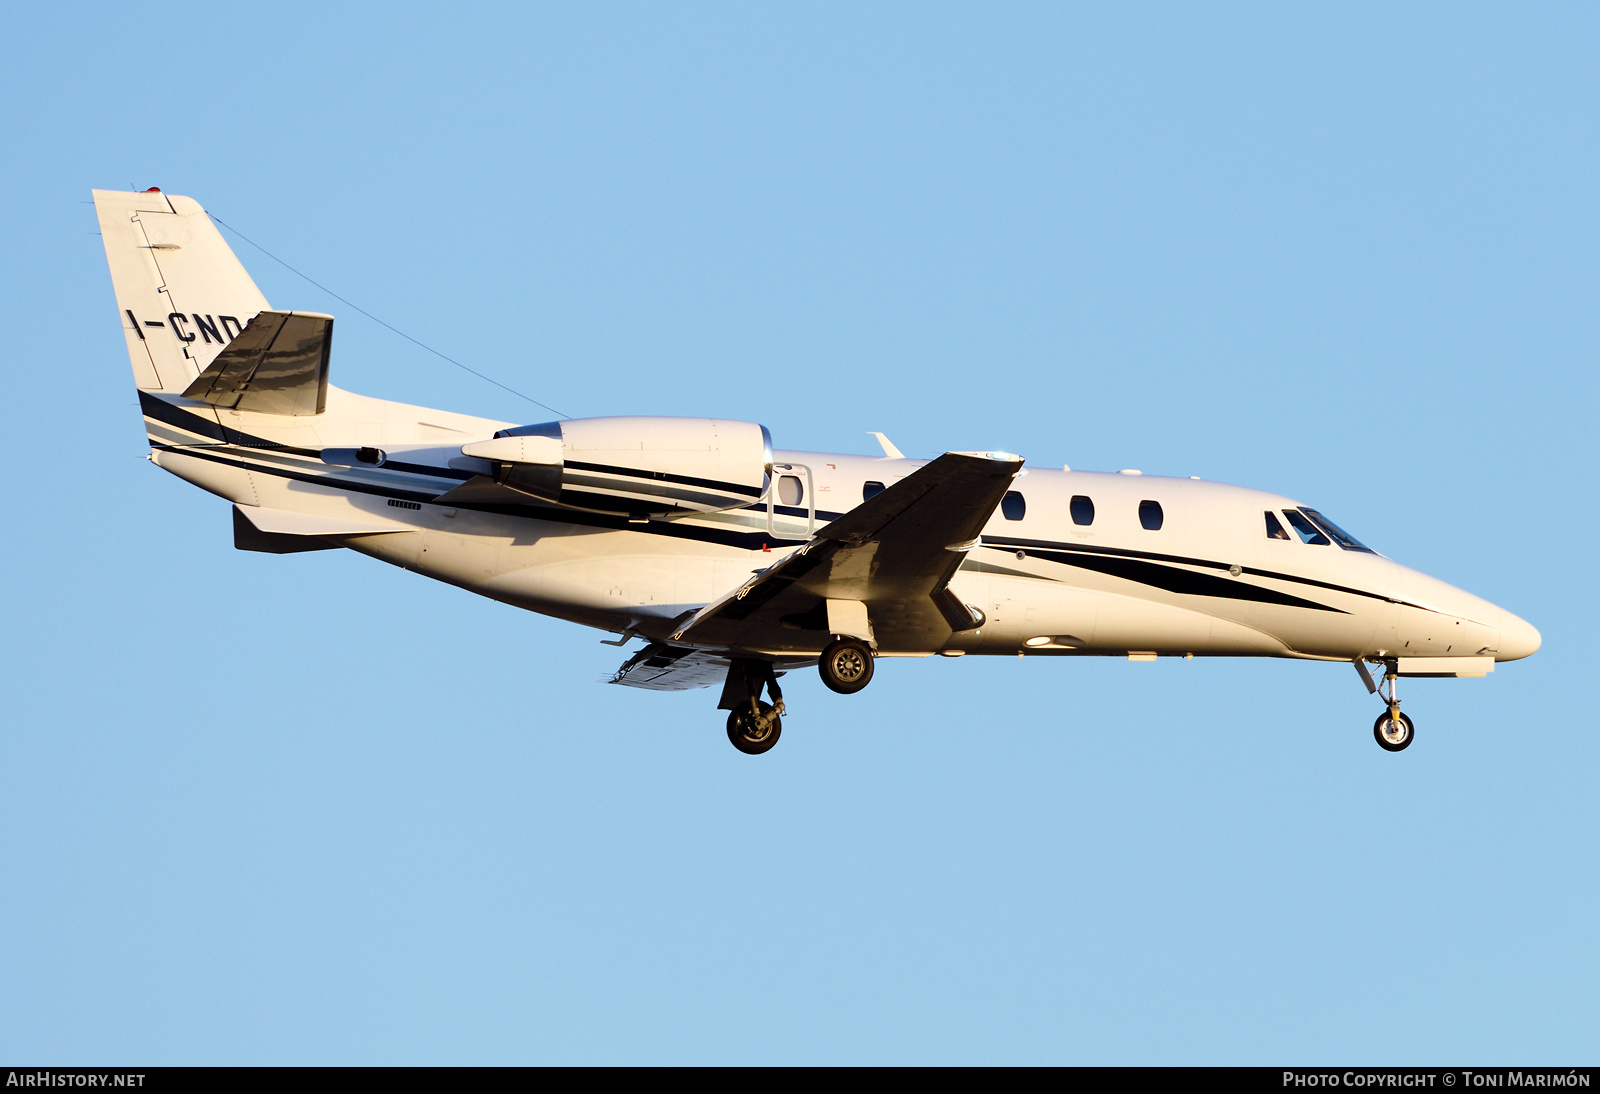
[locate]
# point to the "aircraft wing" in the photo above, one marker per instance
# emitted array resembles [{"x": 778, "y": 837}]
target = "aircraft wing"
[{"x": 894, "y": 553}]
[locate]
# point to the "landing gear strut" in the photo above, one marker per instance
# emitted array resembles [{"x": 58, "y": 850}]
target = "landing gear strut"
[
  {"x": 846, "y": 665},
  {"x": 753, "y": 726},
  {"x": 1393, "y": 730}
]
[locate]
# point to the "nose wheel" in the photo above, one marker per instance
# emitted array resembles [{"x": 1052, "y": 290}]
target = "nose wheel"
[{"x": 1393, "y": 731}]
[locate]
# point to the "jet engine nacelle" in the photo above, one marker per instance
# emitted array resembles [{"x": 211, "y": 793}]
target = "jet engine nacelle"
[{"x": 640, "y": 466}]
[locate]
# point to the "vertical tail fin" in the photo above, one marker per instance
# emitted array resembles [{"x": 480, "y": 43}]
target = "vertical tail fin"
[{"x": 181, "y": 292}]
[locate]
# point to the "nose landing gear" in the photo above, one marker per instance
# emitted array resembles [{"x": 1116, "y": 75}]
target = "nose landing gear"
[{"x": 1393, "y": 731}]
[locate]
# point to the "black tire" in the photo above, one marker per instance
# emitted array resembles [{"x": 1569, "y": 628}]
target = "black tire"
[
  {"x": 745, "y": 737},
  {"x": 1391, "y": 741},
  {"x": 846, "y": 665}
]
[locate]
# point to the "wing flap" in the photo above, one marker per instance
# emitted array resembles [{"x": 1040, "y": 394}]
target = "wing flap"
[{"x": 660, "y": 667}]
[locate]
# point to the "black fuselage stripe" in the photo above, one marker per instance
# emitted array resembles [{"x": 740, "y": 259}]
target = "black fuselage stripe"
[
  {"x": 215, "y": 455},
  {"x": 1123, "y": 552},
  {"x": 423, "y": 469},
  {"x": 163, "y": 411},
  {"x": 1184, "y": 582},
  {"x": 662, "y": 476},
  {"x": 749, "y": 541}
]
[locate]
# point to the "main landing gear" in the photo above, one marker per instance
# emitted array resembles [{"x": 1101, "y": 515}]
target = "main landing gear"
[
  {"x": 1393, "y": 731},
  {"x": 846, "y": 665},
  {"x": 753, "y": 726}
]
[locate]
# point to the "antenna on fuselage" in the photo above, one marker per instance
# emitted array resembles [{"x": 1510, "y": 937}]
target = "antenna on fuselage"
[{"x": 890, "y": 452}]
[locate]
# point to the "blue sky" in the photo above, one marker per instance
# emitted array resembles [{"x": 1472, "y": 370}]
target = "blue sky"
[{"x": 311, "y": 809}]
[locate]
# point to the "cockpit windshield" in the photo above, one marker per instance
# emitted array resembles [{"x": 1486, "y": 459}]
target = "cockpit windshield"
[
  {"x": 1340, "y": 536},
  {"x": 1308, "y": 532}
]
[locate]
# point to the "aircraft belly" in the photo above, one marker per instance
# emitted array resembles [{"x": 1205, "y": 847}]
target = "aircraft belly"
[
  {"x": 677, "y": 576},
  {"x": 1343, "y": 627},
  {"x": 461, "y": 559},
  {"x": 1327, "y": 634},
  {"x": 401, "y": 549}
]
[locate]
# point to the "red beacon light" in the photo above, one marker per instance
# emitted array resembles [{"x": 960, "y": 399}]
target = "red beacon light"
[{"x": 153, "y": 190}]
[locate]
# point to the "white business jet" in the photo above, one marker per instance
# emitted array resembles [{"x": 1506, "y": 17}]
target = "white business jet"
[{"x": 731, "y": 561}]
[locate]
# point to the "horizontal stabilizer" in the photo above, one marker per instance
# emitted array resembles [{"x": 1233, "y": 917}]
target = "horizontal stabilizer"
[
  {"x": 285, "y": 522},
  {"x": 247, "y": 537},
  {"x": 277, "y": 365}
]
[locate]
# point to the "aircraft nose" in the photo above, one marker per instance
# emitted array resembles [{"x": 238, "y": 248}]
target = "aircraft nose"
[{"x": 1518, "y": 639}]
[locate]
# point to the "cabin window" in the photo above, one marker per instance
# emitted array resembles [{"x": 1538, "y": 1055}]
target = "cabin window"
[
  {"x": 1274, "y": 529},
  {"x": 1150, "y": 515},
  {"x": 1082, "y": 509},
  {"x": 1013, "y": 505},
  {"x": 790, "y": 490},
  {"x": 870, "y": 490},
  {"x": 1303, "y": 528},
  {"x": 1340, "y": 536}
]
